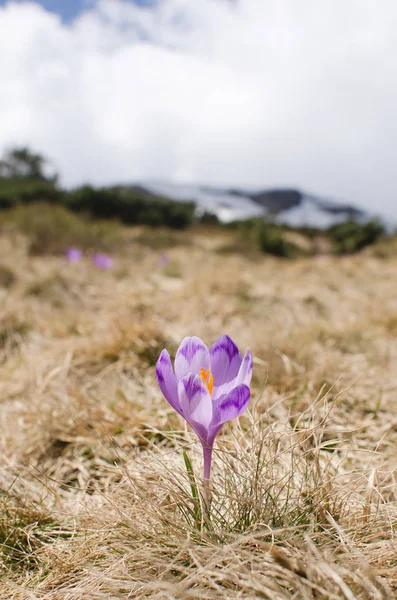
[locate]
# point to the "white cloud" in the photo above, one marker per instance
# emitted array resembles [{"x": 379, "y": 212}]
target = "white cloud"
[{"x": 251, "y": 92}]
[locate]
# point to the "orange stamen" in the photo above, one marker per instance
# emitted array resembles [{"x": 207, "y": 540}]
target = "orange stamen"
[{"x": 207, "y": 378}]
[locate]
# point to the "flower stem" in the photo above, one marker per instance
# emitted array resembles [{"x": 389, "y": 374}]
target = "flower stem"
[{"x": 207, "y": 455}]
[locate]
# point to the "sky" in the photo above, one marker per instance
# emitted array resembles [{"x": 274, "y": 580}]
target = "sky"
[
  {"x": 253, "y": 93},
  {"x": 69, "y": 9}
]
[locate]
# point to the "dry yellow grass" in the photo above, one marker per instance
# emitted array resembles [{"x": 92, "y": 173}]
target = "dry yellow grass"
[{"x": 95, "y": 501}]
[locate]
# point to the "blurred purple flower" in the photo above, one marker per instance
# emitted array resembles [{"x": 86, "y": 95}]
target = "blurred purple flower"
[
  {"x": 206, "y": 387},
  {"x": 164, "y": 259},
  {"x": 102, "y": 261},
  {"x": 73, "y": 254}
]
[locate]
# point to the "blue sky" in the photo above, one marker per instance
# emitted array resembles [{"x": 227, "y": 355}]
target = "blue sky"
[{"x": 68, "y": 9}]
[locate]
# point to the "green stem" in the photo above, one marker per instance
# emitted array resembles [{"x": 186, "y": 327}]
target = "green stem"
[{"x": 207, "y": 455}]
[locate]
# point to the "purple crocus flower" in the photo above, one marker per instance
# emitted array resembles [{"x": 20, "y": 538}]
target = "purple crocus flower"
[
  {"x": 164, "y": 259},
  {"x": 102, "y": 261},
  {"x": 73, "y": 254},
  {"x": 206, "y": 387}
]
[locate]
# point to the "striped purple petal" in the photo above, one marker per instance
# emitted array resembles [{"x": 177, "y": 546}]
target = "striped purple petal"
[
  {"x": 192, "y": 355},
  {"x": 195, "y": 400},
  {"x": 167, "y": 380},
  {"x": 225, "y": 360},
  {"x": 245, "y": 371},
  {"x": 232, "y": 406}
]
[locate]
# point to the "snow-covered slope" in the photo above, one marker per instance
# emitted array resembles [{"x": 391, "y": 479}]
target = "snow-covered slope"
[
  {"x": 226, "y": 206},
  {"x": 291, "y": 207},
  {"x": 314, "y": 213}
]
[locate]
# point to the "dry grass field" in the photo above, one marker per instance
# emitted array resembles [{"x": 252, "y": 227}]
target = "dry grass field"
[{"x": 95, "y": 500}]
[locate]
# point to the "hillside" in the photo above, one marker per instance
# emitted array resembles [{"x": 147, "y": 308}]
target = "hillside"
[{"x": 96, "y": 500}]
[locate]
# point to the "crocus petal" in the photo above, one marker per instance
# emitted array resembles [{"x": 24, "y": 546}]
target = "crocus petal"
[
  {"x": 232, "y": 406},
  {"x": 192, "y": 355},
  {"x": 245, "y": 372},
  {"x": 167, "y": 380},
  {"x": 195, "y": 400},
  {"x": 225, "y": 360}
]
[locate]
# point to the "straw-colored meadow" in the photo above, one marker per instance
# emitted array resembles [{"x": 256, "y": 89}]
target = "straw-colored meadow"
[{"x": 96, "y": 502}]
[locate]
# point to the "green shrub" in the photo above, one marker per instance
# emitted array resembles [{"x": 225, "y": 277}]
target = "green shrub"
[
  {"x": 270, "y": 241},
  {"x": 350, "y": 236},
  {"x": 208, "y": 218},
  {"x": 17, "y": 191},
  {"x": 265, "y": 237},
  {"x": 133, "y": 206},
  {"x": 22, "y": 163},
  {"x": 23, "y": 179}
]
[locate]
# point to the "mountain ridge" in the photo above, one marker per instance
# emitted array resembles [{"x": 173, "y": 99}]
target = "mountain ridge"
[{"x": 290, "y": 206}]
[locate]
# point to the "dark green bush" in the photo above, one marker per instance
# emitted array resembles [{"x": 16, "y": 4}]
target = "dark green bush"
[
  {"x": 23, "y": 179},
  {"x": 350, "y": 236},
  {"x": 132, "y": 206},
  {"x": 17, "y": 191},
  {"x": 22, "y": 163},
  {"x": 265, "y": 237},
  {"x": 208, "y": 218},
  {"x": 270, "y": 241}
]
